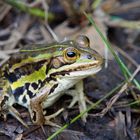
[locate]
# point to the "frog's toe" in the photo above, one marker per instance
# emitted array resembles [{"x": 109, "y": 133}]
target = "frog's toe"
[
  {"x": 48, "y": 118},
  {"x": 72, "y": 93},
  {"x": 16, "y": 114},
  {"x": 50, "y": 123},
  {"x": 81, "y": 99},
  {"x": 79, "y": 96}
]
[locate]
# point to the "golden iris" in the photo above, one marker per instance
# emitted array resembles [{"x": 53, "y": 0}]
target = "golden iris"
[{"x": 71, "y": 54}]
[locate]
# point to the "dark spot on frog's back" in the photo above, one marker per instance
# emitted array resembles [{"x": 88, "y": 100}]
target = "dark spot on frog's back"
[
  {"x": 11, "y": 77},
  {"x": 34, "y": 85},
  {"x": 13, "y": 60},
  {"x": 27, "y": 85},
  {"x": 24, "y": 100},
  {"x": 26, "y": 69},
  {"x": 17, "y": 92},
  {"x": 48, "y": 79},
  {"x": 30, "y": 93},
  {"x": 38, "y": 65}
]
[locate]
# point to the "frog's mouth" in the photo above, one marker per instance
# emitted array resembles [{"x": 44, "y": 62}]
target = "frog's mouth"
[
  {"x": 84, "y": 71},
  {"x": 80, "y": 70}
]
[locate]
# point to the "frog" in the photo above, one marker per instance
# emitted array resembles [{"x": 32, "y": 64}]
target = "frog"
[{"x": 39, "y": 74}]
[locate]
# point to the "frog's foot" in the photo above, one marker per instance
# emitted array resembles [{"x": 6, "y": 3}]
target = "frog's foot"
[
  {"x": 78, "y": 96},
  {"x": 6, "y": 107},
  {"x": 81, "y": 99},
  {"x": 16, "y": 114},
  {"x": 41, "y": 119},
  {"x": 75, "y": 98},
  {"x": 36, "y": 110},
  {"x": 52, "y": 116}
]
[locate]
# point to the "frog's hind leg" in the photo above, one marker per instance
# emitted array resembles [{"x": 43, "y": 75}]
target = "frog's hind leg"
[
  {"x": 48, "y": 118},
  {"x": 38, "y": 117},
  {"x": 6, "y": 107},
  {"x": 16, "y": 114},
  {"x": 36, "y": 109}
]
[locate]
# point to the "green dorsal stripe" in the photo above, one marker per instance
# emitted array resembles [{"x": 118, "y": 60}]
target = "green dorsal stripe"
[{"x": 34, "y": 77}]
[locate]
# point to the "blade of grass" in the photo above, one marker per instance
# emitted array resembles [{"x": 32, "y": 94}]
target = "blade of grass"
[
  {"x": 96, "y": 3},
  {"x": 134, "y": 103},
  {"x": 119, "y": 22},
  {"x": 122, "y": 66},
  {"x": 82, "y": 113},
  {"x": 31, "y": 10}
]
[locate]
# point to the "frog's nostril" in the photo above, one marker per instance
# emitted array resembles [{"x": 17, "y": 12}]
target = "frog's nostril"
[{"x": 89, "y": 56}]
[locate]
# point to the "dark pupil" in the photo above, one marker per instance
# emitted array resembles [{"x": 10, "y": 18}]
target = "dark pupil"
[{"x": 71, "y": 54}]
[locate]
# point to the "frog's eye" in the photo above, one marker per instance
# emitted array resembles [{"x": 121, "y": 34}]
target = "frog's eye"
[
  {"x": 83, "y": 41},
  {"x": 71, "y": 54}
]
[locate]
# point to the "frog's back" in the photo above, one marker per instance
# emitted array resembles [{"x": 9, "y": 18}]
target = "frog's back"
[
  {"x": 23, "y": 74},
  {"x": 30, "y": 62}
]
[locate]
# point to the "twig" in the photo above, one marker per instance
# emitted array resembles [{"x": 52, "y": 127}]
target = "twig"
[
  {"x": 4, "y": 32},
  {"x": 10, "y": 51},
  {"x": 34, "y": 3},
  {"x": 126, "y": 55},
  {"x": 51, "y": 32},
  {"x": 3, "y": 55},
  {"x": 4, "y": 10},
  {"x": 19, "y": 32},
  {"x": 124, "y": 24},
  {"x": 115, "y": 98},
  {"x": 125, "y": 7},
  {"x": 3, "y": 61},
  {"x": 33, "y": 129},
  {"x": 31, "y": 10},
  {"x": 132, "y": 46}
]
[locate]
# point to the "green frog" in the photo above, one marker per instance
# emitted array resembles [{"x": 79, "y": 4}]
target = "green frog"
[{"x": 38, "y": 75}]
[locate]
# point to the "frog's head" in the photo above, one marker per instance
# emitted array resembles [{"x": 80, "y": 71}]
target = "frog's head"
[{"x": 75, "y": 59}]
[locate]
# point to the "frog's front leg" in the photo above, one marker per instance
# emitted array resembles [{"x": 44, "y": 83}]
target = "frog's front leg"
[{"x": 78, "y": 96}]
